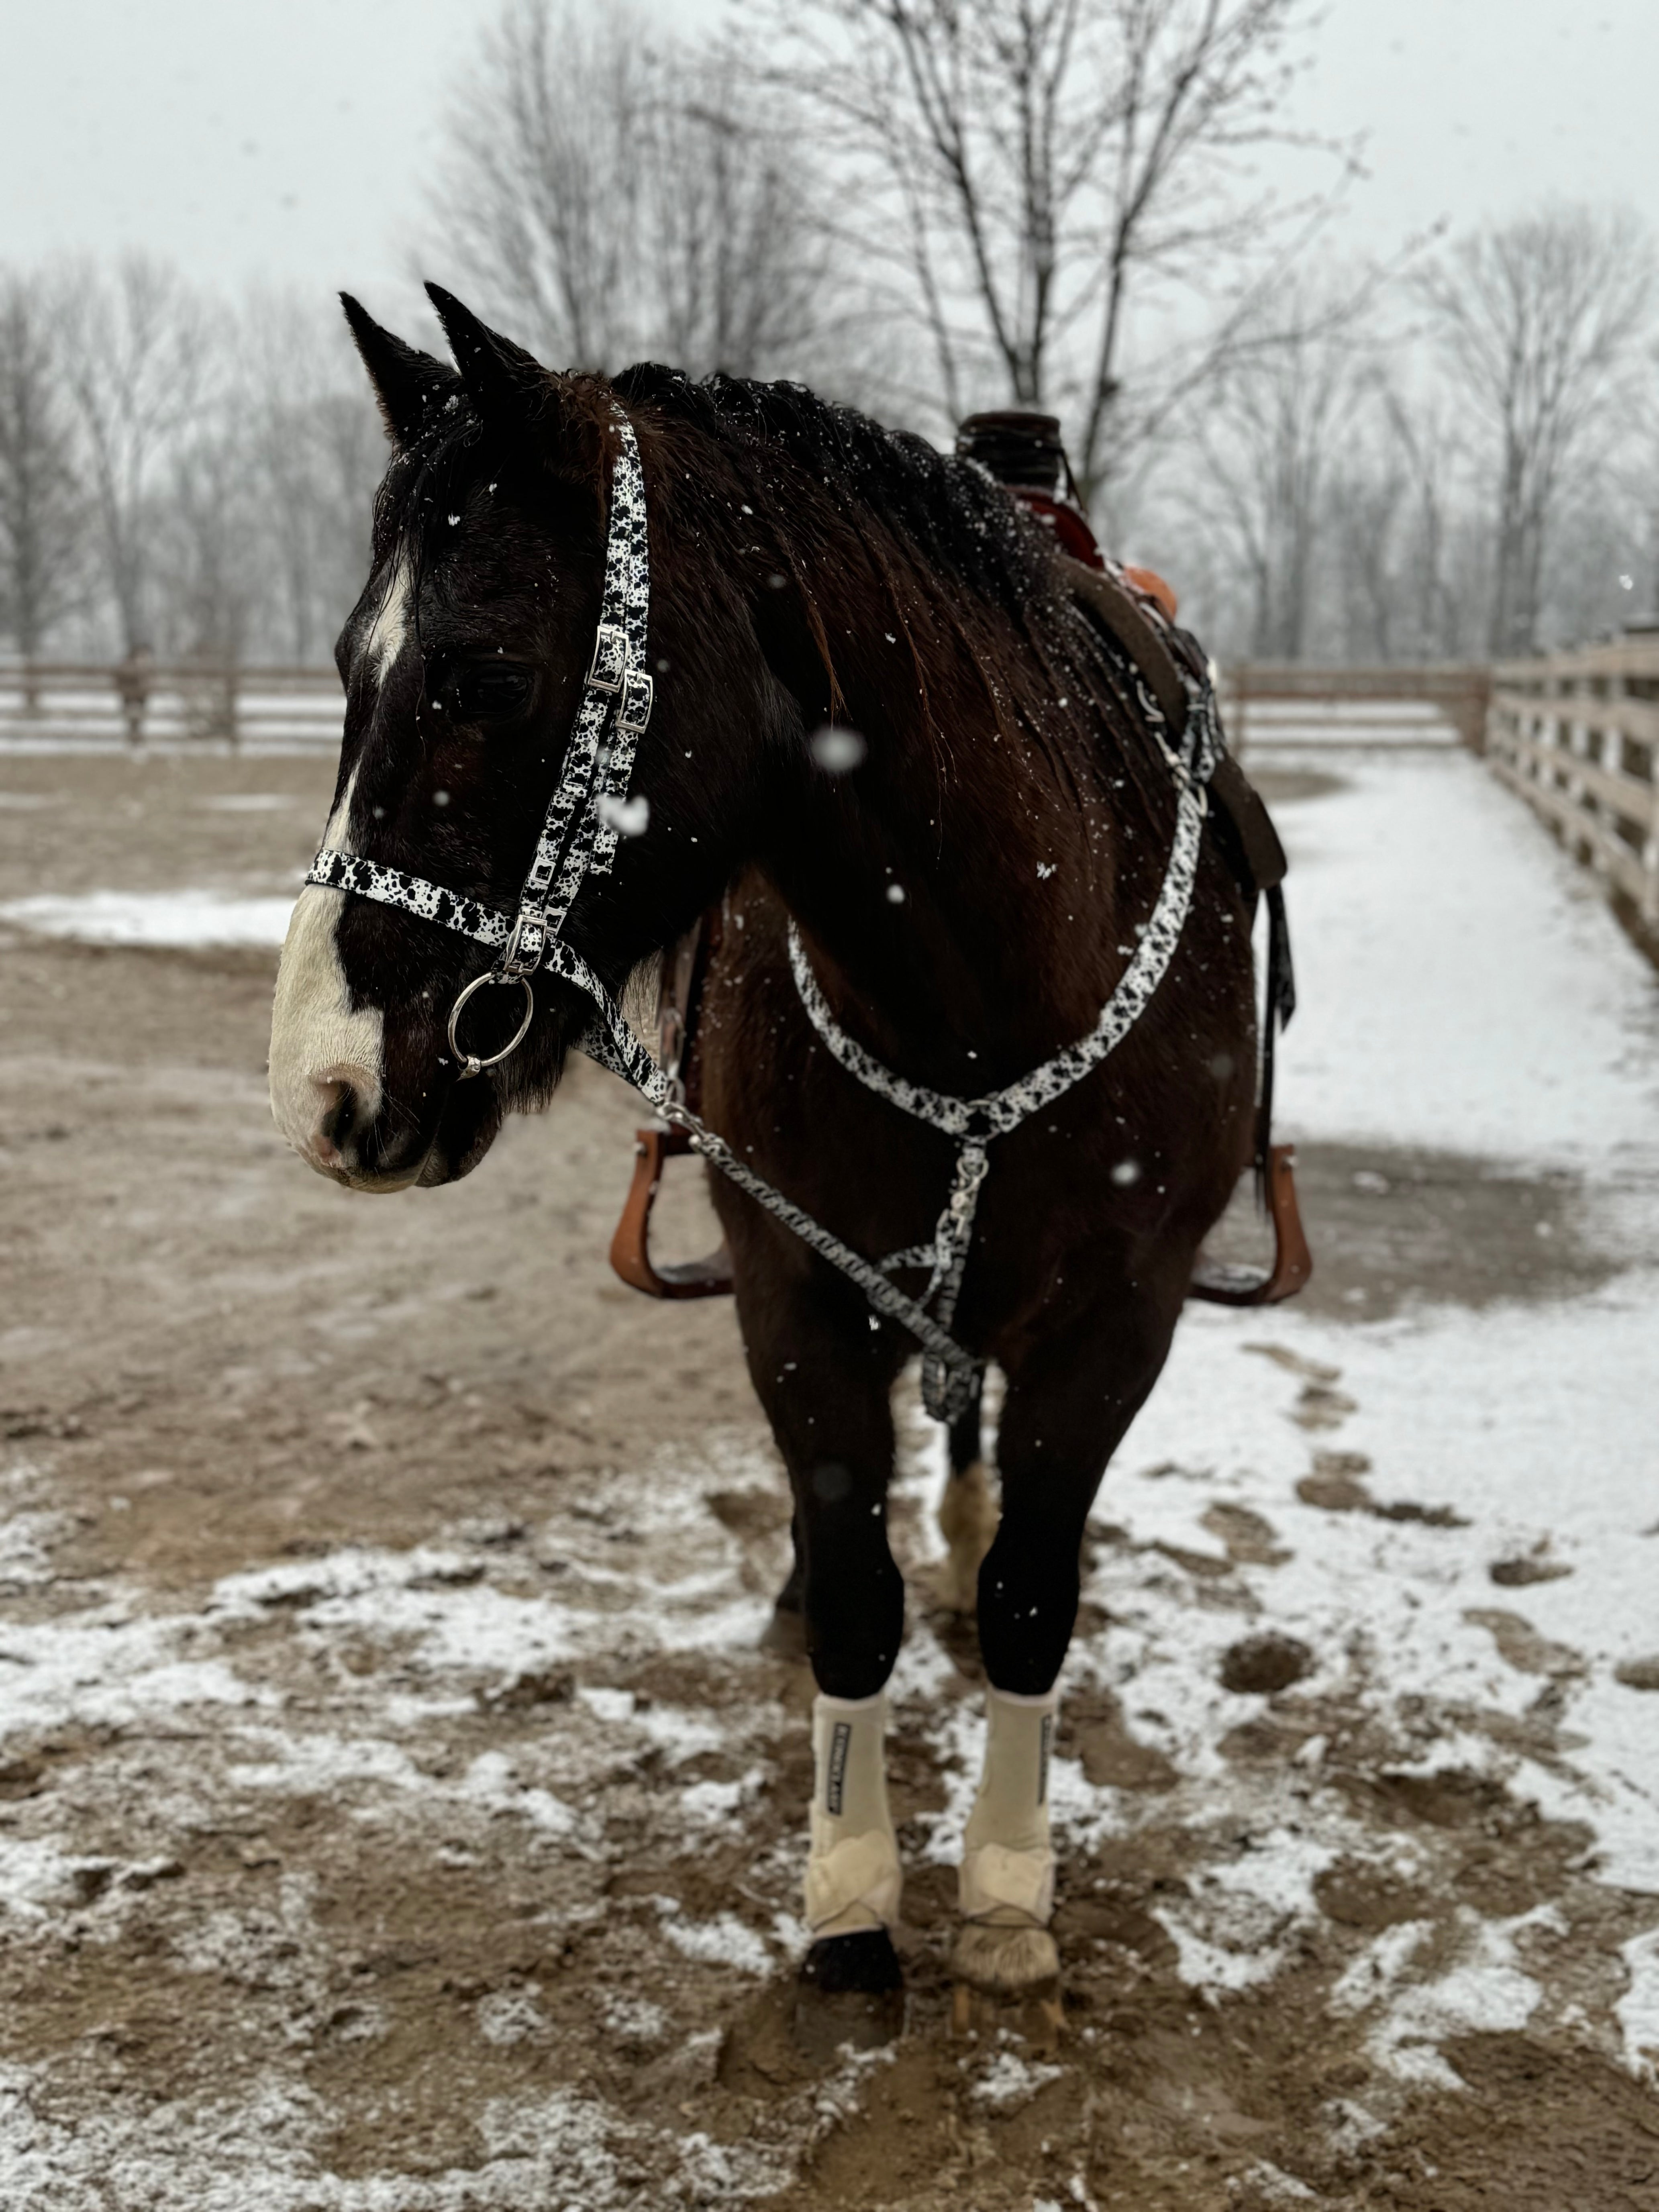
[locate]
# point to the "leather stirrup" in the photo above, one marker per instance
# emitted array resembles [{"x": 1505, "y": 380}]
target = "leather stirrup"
[
  {"x": 630, "y": 1248},
  {"x": 1224, "y": 1284}
]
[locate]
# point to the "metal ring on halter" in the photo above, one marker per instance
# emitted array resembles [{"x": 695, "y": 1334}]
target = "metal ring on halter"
[{"x": 471, "y": 1065}]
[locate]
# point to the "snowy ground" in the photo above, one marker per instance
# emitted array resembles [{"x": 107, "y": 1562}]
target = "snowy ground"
[
  {"x": 174, "y": 919},
  {"x": 1463, "y": 989},
  {"x": 394, "y": 1814}
]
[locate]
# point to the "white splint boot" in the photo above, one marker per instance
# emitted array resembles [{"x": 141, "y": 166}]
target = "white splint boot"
[
  {"x": 1006, "y": 1884},
  {"x": 853, "y": 1880}
]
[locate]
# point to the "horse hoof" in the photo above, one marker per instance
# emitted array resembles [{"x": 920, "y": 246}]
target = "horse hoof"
[
  {"x": 1007, "y": 1978},
  {"x": 863, "y": 1965},
  {"x": 785, "y": 1635},
  {"x": 850, "y": 1990},
  {"x": 1036, "y": 2017}
]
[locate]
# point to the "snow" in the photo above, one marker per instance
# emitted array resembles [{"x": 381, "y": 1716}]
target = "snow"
[
  {"x": 1442, "y": 1420},
  {"x": 558, "y": 2153},
  {"x": 509, "y": 2017},
  {"x": 248, "y": 802},
  {"x": 1233, "y": 1928},
  {"x": 1463, "y": 982},
  {"x": 1484, "y": 1992},
  {"x": 721, "y": 1942},
  {"x": 1638, "y": 2008},
  {"x": 1464, "y": 990},
  {"x": 101, "y": 1666},
  {"x": 171, "y": 919},
  {"x": 1011, "y": 2080}
]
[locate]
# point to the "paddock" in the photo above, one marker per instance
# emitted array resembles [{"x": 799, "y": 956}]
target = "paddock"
[{"x": 396, "y": 1813}]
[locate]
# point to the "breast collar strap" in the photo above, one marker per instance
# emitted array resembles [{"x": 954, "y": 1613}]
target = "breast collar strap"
[
  {"x": 972, "y": 1122},
  {"x": 579, "y": 839}
]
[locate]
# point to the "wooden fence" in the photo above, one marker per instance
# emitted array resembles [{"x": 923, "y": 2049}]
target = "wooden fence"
[
  {"x": 1289, "y": 703},
  {"x": 53, "y": 705},
  {"x": 1577, "y": 735}
]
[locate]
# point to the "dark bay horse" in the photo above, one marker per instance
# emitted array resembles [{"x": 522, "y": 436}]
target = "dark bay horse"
[{"x": 970, "y": 875}]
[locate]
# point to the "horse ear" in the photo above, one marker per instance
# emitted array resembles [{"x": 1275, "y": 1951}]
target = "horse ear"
[
  {"x": 407, "y": 382},
  {"x": 504, "y": 383}
]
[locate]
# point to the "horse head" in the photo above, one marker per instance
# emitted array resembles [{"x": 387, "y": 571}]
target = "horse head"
[{"x": 463, "y": 664}]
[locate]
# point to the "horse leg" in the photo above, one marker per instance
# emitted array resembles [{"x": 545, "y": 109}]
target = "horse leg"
[
  {"x": 1069, "y": 1403},
  {"x": 968, "y": 1516},
  {"x": 966, "y": 1512},
  {"x": 785, "y": 1635},
  {"x": 824, "y": 1381}
]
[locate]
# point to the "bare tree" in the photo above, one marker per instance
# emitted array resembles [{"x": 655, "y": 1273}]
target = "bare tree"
[
  {"x": 1364, "y": 511},
  {"x": 43, "y": 515},
  {"x": 1395, "y": 539},
  {"x": 1539, "y": 322},
  {"x": 349, "y": 445},
  {"x": 209, "y": 546},
  {"x": 135, "y": 354},
  {"x": 736, "y": 267},
  {"x": 1433, "y": 598},
  {"x": 1267, "y": 434},
  {"x": 313, "y": 451},
  {"x": 1028, "y": 173},
  {"x": 609, "y": 196}
]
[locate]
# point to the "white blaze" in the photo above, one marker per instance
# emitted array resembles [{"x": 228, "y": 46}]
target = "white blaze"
[{"x": 318, "y": 1040}]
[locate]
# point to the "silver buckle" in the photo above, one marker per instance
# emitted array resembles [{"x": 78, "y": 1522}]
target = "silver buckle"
[
  {"x": 511, "y": 967},
  {"x": 610, "y": 653},
  {"x": 639, "y": 691}
]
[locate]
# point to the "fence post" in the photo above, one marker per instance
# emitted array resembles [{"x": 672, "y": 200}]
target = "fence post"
[
  {"x": 134, "y": 678},
  {"x": 1475, "y": 714}
]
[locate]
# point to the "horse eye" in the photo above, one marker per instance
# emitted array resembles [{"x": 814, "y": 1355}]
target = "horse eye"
[{"x": 492, "y": 688}]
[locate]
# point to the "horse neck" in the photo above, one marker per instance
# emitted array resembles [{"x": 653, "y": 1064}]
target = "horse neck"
[{"x": 958, "y": 891}]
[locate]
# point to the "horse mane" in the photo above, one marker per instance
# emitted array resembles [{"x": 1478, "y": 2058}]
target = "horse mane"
[
  {"x": 946, "y": 543},
  {"x": 953, "y": 512}
]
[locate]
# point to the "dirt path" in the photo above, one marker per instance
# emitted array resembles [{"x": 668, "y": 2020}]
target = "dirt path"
[{"x": 394, "y": 1812}]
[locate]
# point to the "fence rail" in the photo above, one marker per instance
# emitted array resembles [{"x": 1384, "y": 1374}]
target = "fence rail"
[
  {"x": 1577, "y": 735},
  {"x": 52, "y": 704},
  {"x": 1289, "y": 703}
]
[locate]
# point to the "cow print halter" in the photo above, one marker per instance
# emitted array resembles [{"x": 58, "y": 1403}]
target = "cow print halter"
[{"x": 579, "y": 839}]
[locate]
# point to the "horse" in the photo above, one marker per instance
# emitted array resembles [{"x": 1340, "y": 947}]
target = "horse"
[{"x": 870, "y": 717}]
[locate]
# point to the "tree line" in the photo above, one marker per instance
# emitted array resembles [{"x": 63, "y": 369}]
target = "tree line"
[
  {"x": 1108, "y": 209},
  {"x": 177, "y": 476}
]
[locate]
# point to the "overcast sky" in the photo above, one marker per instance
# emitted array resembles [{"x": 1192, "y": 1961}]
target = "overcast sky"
[{"x": 288, "y": 139}]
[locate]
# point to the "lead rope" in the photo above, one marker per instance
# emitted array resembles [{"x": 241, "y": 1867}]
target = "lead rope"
[{"x": 579, "y": 838}]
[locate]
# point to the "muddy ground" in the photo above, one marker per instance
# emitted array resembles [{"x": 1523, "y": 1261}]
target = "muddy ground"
[{"x": 395, "y": 1812}]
